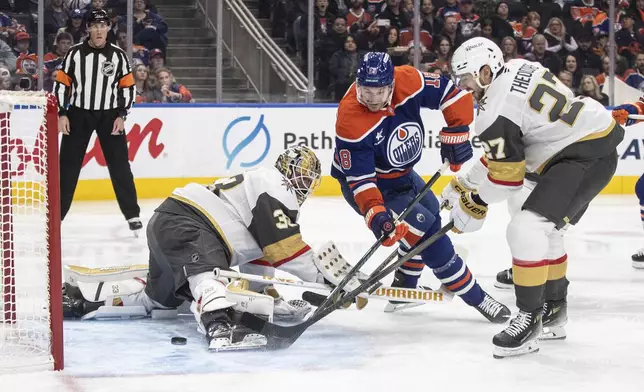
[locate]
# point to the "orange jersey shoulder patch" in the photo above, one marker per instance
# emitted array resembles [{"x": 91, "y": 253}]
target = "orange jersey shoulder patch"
[{"x": 354, "y": 121}]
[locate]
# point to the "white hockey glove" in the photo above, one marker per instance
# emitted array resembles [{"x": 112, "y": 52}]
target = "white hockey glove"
[
  {"x": 452, "y": 192},
  {"x": 287, "y": 311},
  {"x": 469, "y": 214}
]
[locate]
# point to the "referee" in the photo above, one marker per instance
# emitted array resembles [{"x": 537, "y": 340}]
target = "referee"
[{"x": 95, "y": 90}]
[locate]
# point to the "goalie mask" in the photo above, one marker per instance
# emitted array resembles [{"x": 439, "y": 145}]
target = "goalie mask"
[{"x": 303, "y": 170}]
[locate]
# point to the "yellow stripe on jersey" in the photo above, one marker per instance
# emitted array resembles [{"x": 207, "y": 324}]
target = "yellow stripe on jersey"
[
  {"x": 208, "y": 216},
  {"x": 283, "y": 249},
  {"x": 592, "y": 136},
  {"x": 600, "y": 134},
  {"x": 506, "y": 173}
]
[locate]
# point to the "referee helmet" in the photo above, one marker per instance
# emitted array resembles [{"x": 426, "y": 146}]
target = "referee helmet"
[{"x": 98, "y": 16}]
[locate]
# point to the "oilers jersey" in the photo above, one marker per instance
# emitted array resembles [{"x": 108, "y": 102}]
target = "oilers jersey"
[
  {"x": 388, "y": 143},
  {"x": 255, "y": 216},
  {"x": 526, "y": 117}
]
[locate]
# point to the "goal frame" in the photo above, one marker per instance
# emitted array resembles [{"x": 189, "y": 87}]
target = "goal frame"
[{"x": 53, "y": 224}]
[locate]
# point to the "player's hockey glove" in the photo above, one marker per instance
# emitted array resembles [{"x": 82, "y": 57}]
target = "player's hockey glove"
[
  {"x": 455, "y": 146},
  {"x": 380, "y": 221},
  {"x": 621, "y": 112},
  {"x": 452, "y": 192},
  {"x": 469, "y": 214}
]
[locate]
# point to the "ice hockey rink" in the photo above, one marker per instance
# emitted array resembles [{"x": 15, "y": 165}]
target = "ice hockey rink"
[{"x": 444, "y": 346}]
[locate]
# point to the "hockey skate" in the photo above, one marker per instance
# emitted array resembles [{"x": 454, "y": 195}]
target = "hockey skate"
[
  {"x": 520, "y": 337},
  {"x": 225, "y": 335},
  {"x": 493, "y": 310},
  {"x": 554, "y": 318},
  {"x": 135, "y": 225},
  {"x": 504, "y": 279},
  {"x": 638, "y": 259}
]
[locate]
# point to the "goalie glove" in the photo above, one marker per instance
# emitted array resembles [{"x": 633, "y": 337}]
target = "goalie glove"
[
  {"x": 469, "y": 214},
  {"x": 452, "y": 192}
]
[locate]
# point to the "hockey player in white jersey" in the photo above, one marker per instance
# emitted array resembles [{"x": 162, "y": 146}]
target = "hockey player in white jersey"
[
  {"x": 251, "y": 217},
  {"x": 546, "y": 152}
]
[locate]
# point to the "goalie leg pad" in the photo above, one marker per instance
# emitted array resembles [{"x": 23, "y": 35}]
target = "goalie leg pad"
[
  {"x": 135, "y": 305},
  {"x": 334, "y": 268}
]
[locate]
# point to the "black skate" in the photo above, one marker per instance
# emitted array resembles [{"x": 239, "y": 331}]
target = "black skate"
[
  {"x": 493, "y": 310},
  {"x": 638, "y": 259},
  {"x": 225, "y": 335},
  {"x": 554, "y": 318},
  {"x": 504, "y": 279},
  {"x": 74, "y": 305},
  {"x": 520, "y": 337},
  {"x": 135, "y": 225}
]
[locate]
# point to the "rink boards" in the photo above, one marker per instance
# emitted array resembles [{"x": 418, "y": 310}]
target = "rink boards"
[{"x": 171, "y": 145}]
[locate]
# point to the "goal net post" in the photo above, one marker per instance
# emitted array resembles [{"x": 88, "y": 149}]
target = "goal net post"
[{"x": 31, "y": 333}]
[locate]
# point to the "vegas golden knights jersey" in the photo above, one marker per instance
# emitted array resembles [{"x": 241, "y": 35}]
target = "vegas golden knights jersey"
[
  {"x": 255, "y": 214},
  {"x": 526, "y": 116}
]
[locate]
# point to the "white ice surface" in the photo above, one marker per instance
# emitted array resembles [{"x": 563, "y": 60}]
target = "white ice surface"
[{"x": 434, "y": 347}]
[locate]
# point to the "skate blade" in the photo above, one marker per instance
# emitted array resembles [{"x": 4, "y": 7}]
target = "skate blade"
[
  {"x": 638, "y": 264},
  {"x": 250, "y": 342},
  {"x": 503, "y": 286},
  {"x": 528, "y": 348},
  {"x": 391, "y": 308},
  {"x": 553, "y": 333},
  {"x": 136, "y": 233}
]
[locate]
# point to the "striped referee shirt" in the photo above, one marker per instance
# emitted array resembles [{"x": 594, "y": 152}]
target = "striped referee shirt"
[{"x": 95, "y": 79}]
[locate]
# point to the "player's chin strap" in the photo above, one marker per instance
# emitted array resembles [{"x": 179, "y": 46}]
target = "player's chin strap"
[
  {"x": 494, "y": 76},
  {"x": 351, "y": 274}
]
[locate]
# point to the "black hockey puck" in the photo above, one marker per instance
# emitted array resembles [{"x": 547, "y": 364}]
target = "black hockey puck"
[{"x": 179, "y": 341}]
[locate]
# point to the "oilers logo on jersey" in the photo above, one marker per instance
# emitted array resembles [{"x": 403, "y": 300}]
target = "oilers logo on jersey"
[{"x": 405, "y": 144}]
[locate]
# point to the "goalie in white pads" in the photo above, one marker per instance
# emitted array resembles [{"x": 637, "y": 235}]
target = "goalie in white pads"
[
  {"x": 542, "y": 140},
  {"x": 235, "y": 221}
]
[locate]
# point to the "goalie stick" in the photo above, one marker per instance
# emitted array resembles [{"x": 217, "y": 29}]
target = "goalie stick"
[
  {"x": 280, "y": 336},
  {"x": 335, "y": 293}
]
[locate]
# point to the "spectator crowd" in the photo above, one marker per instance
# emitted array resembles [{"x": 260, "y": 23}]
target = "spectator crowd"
[
  {"x": 570, "y": 37},
  {"x": 65, "y": 25}
]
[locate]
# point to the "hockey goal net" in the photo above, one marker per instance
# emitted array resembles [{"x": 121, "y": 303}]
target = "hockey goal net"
[{"x": 30, "y": 274}]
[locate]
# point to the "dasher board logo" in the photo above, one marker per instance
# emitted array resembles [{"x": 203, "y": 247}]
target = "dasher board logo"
[
  {"x": 405, "y": 144},
  {"x": 108, "y": 68}
]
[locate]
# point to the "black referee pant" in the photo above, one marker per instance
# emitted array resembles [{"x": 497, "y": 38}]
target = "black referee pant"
[{"x": 82, "y": 124}]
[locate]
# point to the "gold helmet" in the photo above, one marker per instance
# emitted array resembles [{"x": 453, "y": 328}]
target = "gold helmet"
[{"x": 302, "y": 168}]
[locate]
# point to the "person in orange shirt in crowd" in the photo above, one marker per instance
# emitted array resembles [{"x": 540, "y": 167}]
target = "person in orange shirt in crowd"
[
  {"x": 64, "y": 41},
  {"x": 172, "y": 91},
  {"x": 23, "y": 43}
]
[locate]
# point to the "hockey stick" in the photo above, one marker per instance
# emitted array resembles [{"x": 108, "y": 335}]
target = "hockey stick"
[
  {"x": 338, "y": 289},
  {"x": 279, "y": 336},
  {"x": 384, "y": 293},
  {"x": 636, "y": 116}
]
